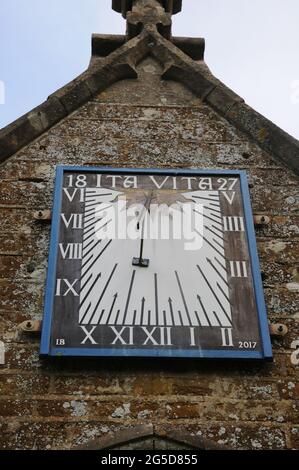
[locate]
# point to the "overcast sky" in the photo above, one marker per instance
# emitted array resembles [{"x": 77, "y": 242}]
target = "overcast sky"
[{"x": 251, "y": 45}]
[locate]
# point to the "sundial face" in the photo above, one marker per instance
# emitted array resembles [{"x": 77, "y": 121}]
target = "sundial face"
[{"x": 153, "y": 263}]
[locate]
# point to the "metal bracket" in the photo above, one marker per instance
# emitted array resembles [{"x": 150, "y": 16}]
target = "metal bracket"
[
  {"x": 260, "y": 220},
  {"x": 278, "y": 330},
  {"x": 43, "y": 215},
  {"x": 30, "y": 326}
]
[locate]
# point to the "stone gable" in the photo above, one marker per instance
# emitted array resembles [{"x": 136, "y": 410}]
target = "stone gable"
[{"x": 153, "y": 123}]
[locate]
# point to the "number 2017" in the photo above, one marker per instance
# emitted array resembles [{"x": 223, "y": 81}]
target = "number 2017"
[{"x": 247, "y": 344}]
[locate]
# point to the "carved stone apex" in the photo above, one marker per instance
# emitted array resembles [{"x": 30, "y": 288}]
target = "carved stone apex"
[
  {"x": 123, "y": 6},
  {"x": 147, "y": 14}
]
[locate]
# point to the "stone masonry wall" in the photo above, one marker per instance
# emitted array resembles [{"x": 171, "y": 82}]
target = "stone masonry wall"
[{"x": 67, "y": 402}]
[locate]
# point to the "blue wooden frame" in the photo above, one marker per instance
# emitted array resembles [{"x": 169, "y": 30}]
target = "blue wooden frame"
[{"x": 46, "y": 349}]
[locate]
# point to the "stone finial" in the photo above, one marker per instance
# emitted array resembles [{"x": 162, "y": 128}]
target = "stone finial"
[
  {"x": 147, "y": 13},
  {"x": 123, "y": 6}
]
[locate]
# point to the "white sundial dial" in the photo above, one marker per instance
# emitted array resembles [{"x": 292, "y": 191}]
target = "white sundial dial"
[{"x": 178, "y": 288}]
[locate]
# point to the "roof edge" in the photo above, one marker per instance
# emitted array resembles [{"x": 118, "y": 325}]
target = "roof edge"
[
  {"x": 180, "y": 67},
  {"x": 267, "y": 135},
  {"x": 264, "y": 132},
  {"x": 105, "y": 44},
  {"x": 117, "y": 66},
  {"x": 198, "y": 78},
  {"x": 58, "y": 106}
]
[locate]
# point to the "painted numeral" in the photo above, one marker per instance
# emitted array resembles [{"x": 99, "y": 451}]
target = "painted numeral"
[
  {"x": 120, "y": 333},
  {"x": 71, "y": 250},
  {"x": 227, "y": 184},
  {"x": 238, "y": 269},
  {"x": 227, "y": 337},
  {"x": 88, "y": 335},
  {"x": 65, "y": 287},
  {"x": 74, "y": 221},
  {"x": 230, "y": 197},
  {"x": 72, "y": 193},
  {"x": 247, "y": 344},
  {"x": 79, "y": 181},
  {"x": 233, "y": 224}
]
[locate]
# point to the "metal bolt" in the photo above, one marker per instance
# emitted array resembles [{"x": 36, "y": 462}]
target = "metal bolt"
[
  {"x": 246, "y": 155},
  {"x": 31, "y": 267}
]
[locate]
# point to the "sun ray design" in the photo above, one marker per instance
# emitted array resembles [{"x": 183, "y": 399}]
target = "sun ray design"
[{"x": 179, "y": 288}]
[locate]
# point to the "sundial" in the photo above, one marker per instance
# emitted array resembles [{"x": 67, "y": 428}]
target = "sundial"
[{"x": 148, "y": 262}]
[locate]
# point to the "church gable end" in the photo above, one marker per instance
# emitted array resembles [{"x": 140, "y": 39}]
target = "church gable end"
[{"x": 149, "y": 102}]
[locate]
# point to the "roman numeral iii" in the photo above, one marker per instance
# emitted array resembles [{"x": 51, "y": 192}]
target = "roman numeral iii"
[
  {"x": 233, "y": 224},
  {"x": 238, "y": 268}
]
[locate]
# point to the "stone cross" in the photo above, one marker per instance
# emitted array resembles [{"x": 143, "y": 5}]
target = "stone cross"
[{"x": 148, "y": 14}]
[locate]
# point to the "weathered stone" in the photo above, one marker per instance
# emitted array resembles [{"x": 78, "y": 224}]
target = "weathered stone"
[
  {"x": 30, "y": 126},
  {"x": 222, "y": 99},
  {"x": 294, "y": 437},
  {"x": 281, "y": 302},
  {"x": 187, "y": 386},
  {"x": 181, "y": 410},
  {"x": 24, "y": 385},
  {"x": 151, "y": 386},
  {"x": 267, "y": 134},
  {"x": 33, "y": 435},
  {"x": 288, "y": 390},
  {"x": 89, "y": 385},
  {"x": 122, "y": 6},
  {"x": 10, "y": 408},
  {"x": 279, "y": 251},
  {"x": 193, "y": 47},
  {"x": 22, "y": 296},
  {"x": 105, "y": 44},
  {"x": 280, "y": 227},
  {"x": 22, "y": 357},
  {"x": 237, "y": 435}
]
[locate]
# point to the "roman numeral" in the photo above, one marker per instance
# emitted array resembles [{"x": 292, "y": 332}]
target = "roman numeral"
[
  {"x": 238, "y": 268},
  {"x": 88, "y": 335},
  {"x": 71, "y": 194},
  {"x": 227, "y": 337},
  {"x": 71, "y": 250},
  {"x": 119, "y": 335},
  {"x": 159, "y": 186},
  {"x": 229, "y": 198},
  {"x": 233, "y": 224},
  {"x": 68, "y": 287},
  {"x": 74, "y": 221},
  {"x": 162, "y": 338}
]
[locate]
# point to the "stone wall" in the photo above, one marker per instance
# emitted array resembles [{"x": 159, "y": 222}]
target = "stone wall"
[{"x": 67, "y": 402}]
